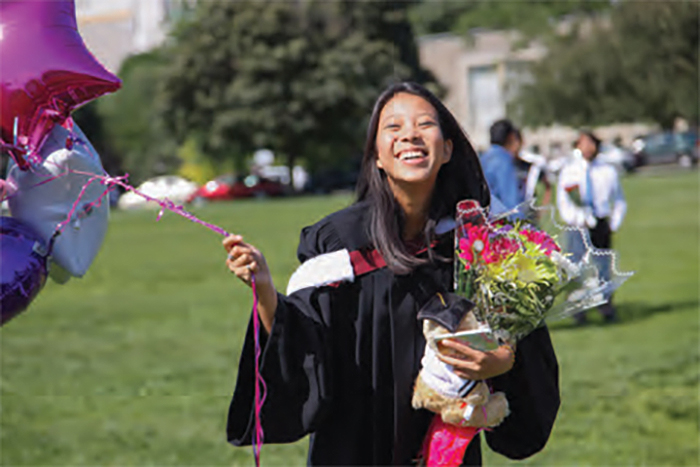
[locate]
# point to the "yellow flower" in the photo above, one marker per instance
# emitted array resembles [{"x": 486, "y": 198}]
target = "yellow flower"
[{"x": 526, "y": 268}]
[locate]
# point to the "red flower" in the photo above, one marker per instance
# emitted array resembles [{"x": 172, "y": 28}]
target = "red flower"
[
  {"x": 504, "y": 247},
  {"x": 545, "y": 242}
]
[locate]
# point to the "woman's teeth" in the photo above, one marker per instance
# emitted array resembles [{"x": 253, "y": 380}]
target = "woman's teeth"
[{"x": 411, "y": 155}]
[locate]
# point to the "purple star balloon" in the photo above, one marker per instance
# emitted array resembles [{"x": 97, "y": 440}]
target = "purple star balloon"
[{"x": 46, "y": 72}]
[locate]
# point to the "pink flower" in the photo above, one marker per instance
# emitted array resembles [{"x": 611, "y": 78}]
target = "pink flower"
[
  {"x": 504, "y": 247},
  {"x": 475, "y": 245},
  {"x": 465, "y": 250},
  {"x": 542, "y": 239}
]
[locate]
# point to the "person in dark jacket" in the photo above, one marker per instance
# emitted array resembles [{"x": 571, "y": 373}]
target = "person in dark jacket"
[{"x": 342, "y": 349}]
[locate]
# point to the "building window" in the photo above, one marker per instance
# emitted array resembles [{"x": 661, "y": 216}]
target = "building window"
[
  {"x": 518, "y": 74},
  {"x": 486, "y": 101},
  {"x": 175, "y": 10}
]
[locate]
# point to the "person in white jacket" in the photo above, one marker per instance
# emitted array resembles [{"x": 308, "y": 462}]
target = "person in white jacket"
[{"x": 589, "y": 195}]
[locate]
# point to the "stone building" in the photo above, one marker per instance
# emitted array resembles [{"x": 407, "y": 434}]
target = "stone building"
[{"x": 115, "y": 29}]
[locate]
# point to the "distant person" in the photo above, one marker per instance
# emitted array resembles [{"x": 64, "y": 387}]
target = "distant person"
[
  {"x": 589, "y": 195},
  {"x": 300, "y": 178},
  {"x": 531, "y": 170},
  {"x": 499, "y": 164}
]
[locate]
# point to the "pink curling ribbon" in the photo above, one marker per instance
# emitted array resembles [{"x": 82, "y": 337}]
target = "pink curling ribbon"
[
  {"x": 260, "y": 387},
  {"x": 110, "y": 182},
  {"x": 85, "y": 211},
  {"x": 166, "y": 204}
]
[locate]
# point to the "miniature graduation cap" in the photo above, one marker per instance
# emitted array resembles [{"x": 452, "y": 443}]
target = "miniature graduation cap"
[{"x": 446, "y": 309}]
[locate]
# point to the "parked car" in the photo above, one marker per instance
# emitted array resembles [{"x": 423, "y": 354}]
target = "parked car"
[
  {"x": 667, "y": 148},
  {"x": 255, "y": 186},
  {"x": 228, "y": 187},
  {"x": 176, "y": 189},
  {"x": 217, "y": 189}
]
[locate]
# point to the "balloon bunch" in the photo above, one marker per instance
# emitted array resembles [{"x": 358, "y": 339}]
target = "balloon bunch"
[{"x": 58, "y": 220}]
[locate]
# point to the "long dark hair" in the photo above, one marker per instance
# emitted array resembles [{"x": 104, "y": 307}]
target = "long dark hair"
[{"x": 460, "y": 178}]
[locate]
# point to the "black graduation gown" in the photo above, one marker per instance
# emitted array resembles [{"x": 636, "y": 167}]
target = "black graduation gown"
[{"x": 340, "y": 363}]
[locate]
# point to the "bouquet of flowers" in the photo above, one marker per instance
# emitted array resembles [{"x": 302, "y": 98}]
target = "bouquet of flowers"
[{"x": 516, "y": 276}]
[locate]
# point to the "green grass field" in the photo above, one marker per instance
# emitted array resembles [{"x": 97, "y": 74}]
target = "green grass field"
[{"x": 135, "y": 363}]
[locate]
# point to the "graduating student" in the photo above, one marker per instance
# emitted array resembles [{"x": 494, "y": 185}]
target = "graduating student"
[{"x": 342, "y": 349}]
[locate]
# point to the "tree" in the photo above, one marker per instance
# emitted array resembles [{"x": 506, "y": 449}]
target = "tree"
[
  {"x": 92, "y": 124},
  {"x": 437, "y": 16},
  {"x": 643, "y": 65},
  {"x": 531, "y": 17},
  {"x": 388, "y": 21},
  {"x": 194, "y": 164},
  {"x": 296, "y": 77},
  {"x": 123, "y": 126}
]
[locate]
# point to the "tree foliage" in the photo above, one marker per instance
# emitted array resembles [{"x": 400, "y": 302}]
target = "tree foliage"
[
  {"x": 643, "y": 65},
  {"x": 531, "y": 17},
  {"x": 124, "y": 127},
  {"x": 298, "y": 77}
]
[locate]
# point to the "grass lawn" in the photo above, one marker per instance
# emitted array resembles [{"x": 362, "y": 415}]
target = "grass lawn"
[{"x": 135, "y": 363}]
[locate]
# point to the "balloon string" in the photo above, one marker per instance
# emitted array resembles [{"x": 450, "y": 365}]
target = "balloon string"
[
  {"x": 87, "y": 208},
  {"x": 166, "y": 204},
  {"x": 110, "y": 182},
  {"x": 260, "y": 386},
  {"x": 48, "y": 179},
  {"x": 20, "y": 150}
]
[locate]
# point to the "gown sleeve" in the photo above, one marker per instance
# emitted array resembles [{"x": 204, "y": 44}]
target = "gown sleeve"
[
  {"x": 295, "y": 361},
  {"x": 532, "y": 389}
]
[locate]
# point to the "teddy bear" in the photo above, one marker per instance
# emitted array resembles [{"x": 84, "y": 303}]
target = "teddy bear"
[{"x": 460, "y": 402}]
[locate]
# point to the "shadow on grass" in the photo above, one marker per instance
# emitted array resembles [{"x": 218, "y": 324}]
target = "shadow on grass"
[{"x": 627, "y": 312}]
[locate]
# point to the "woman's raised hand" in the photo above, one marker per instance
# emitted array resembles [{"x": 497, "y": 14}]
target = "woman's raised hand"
[{"x": 244, "y": 260}]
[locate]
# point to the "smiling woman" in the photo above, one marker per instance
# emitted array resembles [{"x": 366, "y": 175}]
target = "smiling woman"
[
  {"x": 408, "y": 194},
  {"x": 410, "y": 146},
  {"x": 343, "y": 348}
]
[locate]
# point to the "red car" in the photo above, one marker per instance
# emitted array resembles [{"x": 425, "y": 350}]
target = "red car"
[{"x": 228, "y": 187}]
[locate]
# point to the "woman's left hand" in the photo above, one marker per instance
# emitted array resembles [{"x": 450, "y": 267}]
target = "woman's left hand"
[{"x": 473, "y": 364}]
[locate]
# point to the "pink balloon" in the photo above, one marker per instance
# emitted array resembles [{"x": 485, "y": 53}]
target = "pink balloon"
[{"x": 46, "y": 72}]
